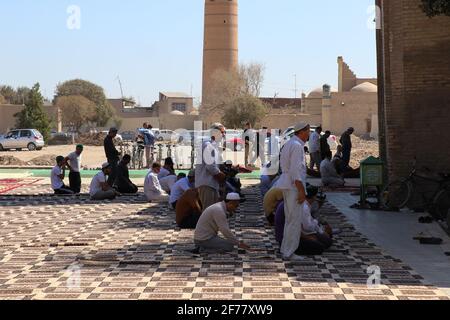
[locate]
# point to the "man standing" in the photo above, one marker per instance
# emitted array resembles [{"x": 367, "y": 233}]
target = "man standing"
[
  {"x": 73, "y": 162},
  {"x": 112, "y": 155},
  {"x": 314, "y": 149},
  {"x": 248, "y": 137},
  {"x": 213, "y": 220},
  {"x": 208, "y": 176},
  {"x": 149, "y": 143},
  {"x": 346, "y": 142},
  {"x": 293, "y": 184},
  {"x": 324, "y": 145}
]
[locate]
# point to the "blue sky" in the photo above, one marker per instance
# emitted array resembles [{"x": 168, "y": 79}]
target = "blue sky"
[{"x": 156, "y": 45}]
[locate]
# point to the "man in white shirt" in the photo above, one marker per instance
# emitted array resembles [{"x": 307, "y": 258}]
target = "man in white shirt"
[
  {"x": 57, "y": 177},
  {"x": 73, "y": 161},
  {"x": 213, "y": 220},
  {"x": 330, "y": 177},
  {"x": 167, "y": 176},
  {"x": 314, "y": 149},
  {"x": 180, "y": 187},
  {"x": 316, "y": 238},
  {"x": 100, "y": 189},
  {"x": 293, "y": 183},
  {"x": 208, "y": 176},
  {"x": 152, "y": 187}
]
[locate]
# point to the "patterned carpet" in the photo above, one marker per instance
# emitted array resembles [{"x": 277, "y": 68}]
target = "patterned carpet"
[
  {"x": 7, "y": 185},
  {"x": 129, "y": 249}
]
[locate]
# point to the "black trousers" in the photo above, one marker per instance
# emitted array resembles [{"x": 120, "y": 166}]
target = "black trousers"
[
  {"x": 190, "y": 222},
  {"x": 314, "y": 247},
  {"x": 64, "y": 190},
  {"x": 127, "y": 188},
  {"x": 75, "y": 181},
  {"x": 112, "y": 177}
]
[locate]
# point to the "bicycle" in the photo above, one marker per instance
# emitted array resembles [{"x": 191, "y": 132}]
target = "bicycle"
[
  {"x": 398, "y": 194},
  {"x": 137, "y": 158}
]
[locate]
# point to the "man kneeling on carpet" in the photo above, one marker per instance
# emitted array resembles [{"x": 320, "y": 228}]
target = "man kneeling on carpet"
[
  {"x": 315, "y": 237},
  {"x": 57, "y": 177},
  {"x": 100, "y": 189},
  {"x": 123, "y": 182},
  {"x": 213, "y": 220}
]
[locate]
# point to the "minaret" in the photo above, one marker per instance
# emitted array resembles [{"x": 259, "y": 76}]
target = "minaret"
[{"x": 220, "y": 48}]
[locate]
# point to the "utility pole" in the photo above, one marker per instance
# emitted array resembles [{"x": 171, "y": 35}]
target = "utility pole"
[{"x": 120, "y": 84}]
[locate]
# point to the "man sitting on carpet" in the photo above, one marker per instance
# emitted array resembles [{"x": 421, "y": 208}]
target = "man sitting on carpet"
[
  {"x": 213, "y": 220},
  {"x": 188, "y": 209},
  {"x": 152, "y": 187},
  {"x": 123, "y": 182},
  {"x": 57, "y": 177},
  {"x": 100, "y": 189},
  {"x": 330, "y": 177},
  {"x": 316, "y": 237},
  {"x": 180, "y": 187},
  {"x": 271, "y": 200}
]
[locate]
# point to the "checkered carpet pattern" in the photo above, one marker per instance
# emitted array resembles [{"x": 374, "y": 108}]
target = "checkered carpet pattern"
[{"x": 54, "y": 247}]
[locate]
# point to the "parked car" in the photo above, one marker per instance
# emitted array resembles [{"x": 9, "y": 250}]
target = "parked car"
[
  {"x": 166, "y": 136},
  {"x": 129, "y": 136},
  {"x": 235, "y": 144},
  {"x": 19, "y": 139}
]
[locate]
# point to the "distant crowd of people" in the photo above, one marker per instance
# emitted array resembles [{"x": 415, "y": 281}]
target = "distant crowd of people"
[{"x": 210, "y": 194}]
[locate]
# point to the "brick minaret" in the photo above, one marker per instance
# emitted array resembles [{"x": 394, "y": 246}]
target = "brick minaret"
[{"x": 221, "y": 39}]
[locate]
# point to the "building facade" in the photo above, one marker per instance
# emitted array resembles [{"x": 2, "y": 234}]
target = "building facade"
[{"x": 414, "y": 60}]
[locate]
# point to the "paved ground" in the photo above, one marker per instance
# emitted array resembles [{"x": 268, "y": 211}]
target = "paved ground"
[{"x": 128, "y": 249}]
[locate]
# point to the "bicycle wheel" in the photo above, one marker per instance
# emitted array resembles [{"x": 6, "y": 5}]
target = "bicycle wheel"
[
  {"x": 442, "y": 205},
  {"x": 397, "y": 194}
]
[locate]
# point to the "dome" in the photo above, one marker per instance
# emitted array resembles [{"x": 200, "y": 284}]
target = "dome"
[
  {"x": 366, "y": 87},
  {"x": 177, "y": 113},
  {"x": 318, "y": 92}
]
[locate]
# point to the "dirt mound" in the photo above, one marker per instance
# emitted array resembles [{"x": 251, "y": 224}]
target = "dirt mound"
[
  {"x": 45, "y": 160},
  {"x": 88, "y": 139},
  {"x": 10, "y": 161}
]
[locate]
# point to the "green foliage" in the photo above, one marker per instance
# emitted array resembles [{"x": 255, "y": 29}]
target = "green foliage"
[
  {"x": 92, "y": 92},
  {"x": 33, "y": 115},
  {"x": 76, "y": 111},
  {"x": 246, "y": 108},
  {"x": 436, "y": 7},
  {"x": 14, "y": 96}
]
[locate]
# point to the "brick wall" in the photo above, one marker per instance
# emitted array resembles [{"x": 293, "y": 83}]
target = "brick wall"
[{"x": 416, "y": 75}]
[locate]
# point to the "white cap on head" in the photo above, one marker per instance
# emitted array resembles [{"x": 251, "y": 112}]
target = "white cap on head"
[
  {"x": 233, "y": 197},
  {"x": 300, "y": 126},
  {"x": 229, "y": 163},
  {"x": 105, "y": 165}
]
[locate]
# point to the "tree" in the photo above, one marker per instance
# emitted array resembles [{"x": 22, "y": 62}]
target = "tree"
[
  {"x": 227, "y": 86},
  {"x": 246, "y": 108},
  {"x": 76, "y": 111},
  {"x": 21, "y": 96},
  {"x": 436, "y": 7},
  {"x": 33, "y": 115},
  {"x": 8, "y": 93},
  {"x": 252, "y": 77},
  {"x": 92, "y": 92}
]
